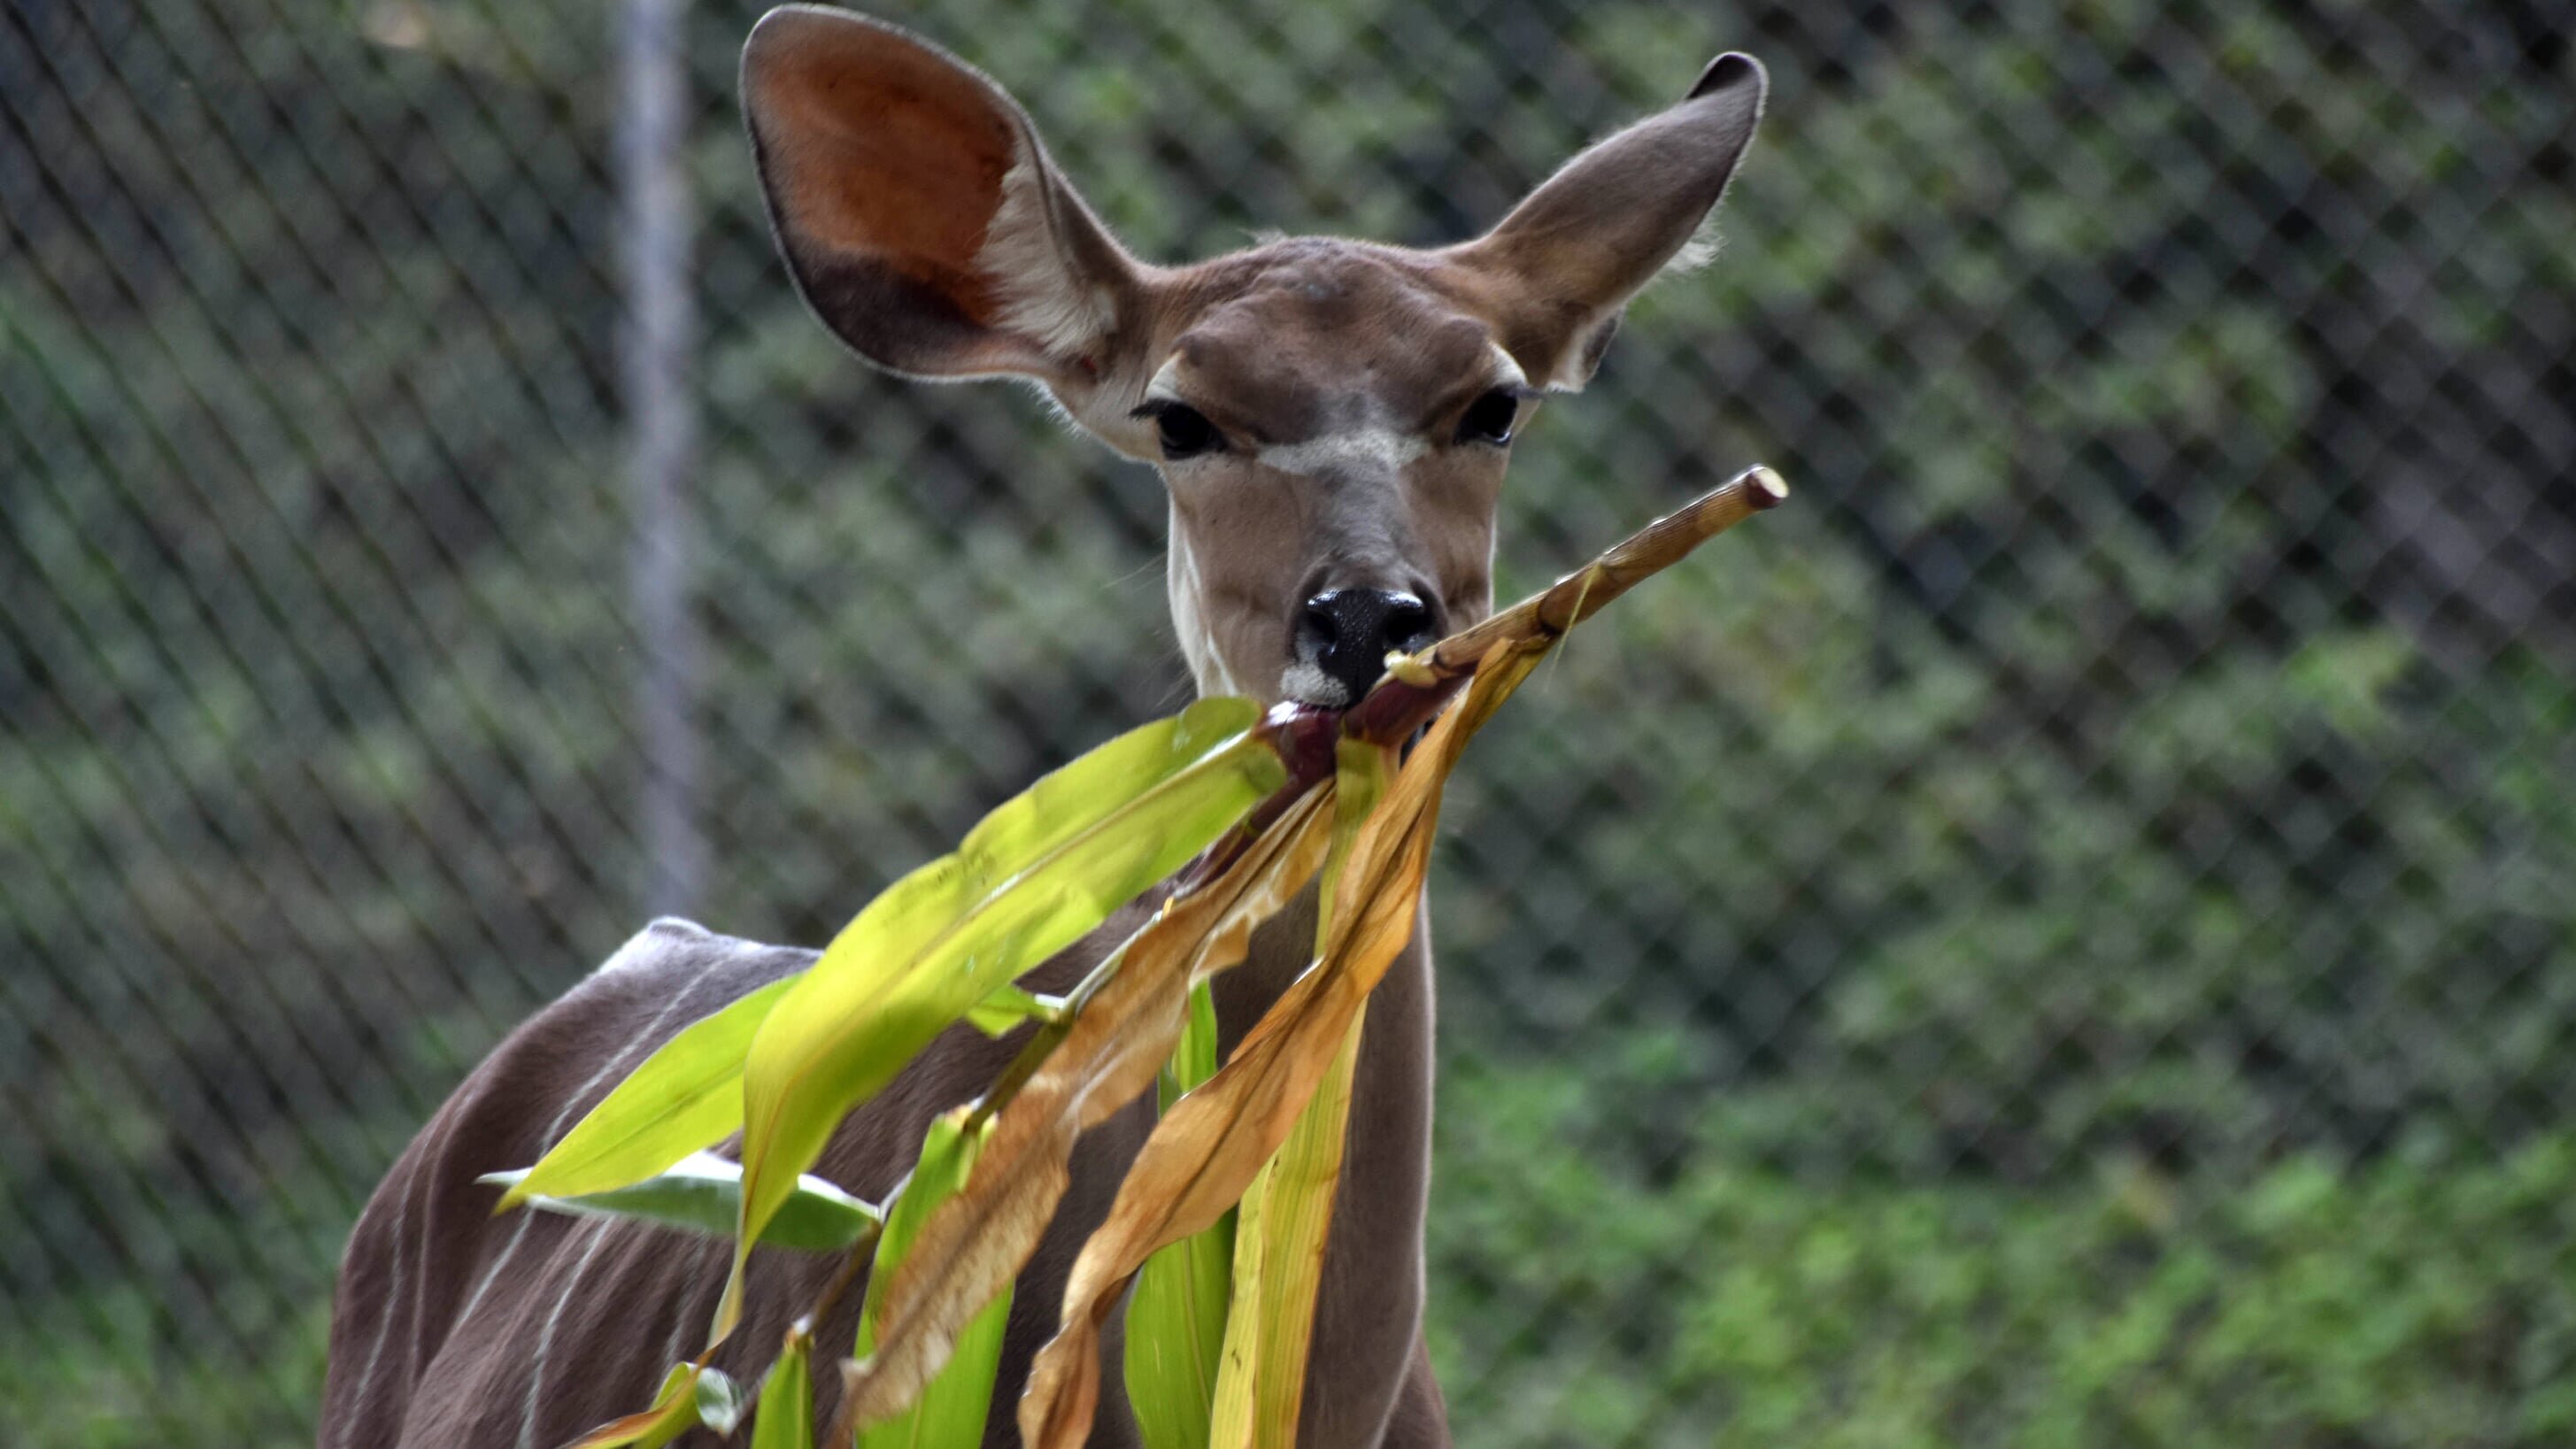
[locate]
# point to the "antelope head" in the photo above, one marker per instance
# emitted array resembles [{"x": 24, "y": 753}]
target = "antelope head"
[{"x": 1332, "y": 418}]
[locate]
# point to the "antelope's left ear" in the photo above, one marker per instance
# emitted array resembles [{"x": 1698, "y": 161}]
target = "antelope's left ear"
[
  {"x": 1565, "y": 262},
  {"x": 918, "y": 211}
]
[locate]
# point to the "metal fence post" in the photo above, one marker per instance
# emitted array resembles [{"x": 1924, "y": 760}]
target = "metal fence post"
[{"x": 661, "y": 412}]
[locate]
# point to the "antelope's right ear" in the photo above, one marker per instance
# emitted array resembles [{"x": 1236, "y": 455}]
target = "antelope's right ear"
[
  {"x": 918, "y": 210},
  {"x": 1570, "y": 256}
]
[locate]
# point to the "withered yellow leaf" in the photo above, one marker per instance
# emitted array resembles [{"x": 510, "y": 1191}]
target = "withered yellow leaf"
[
  {"x": 1117, "y": 1041},
  {"x": 1204, "y": 1154}
]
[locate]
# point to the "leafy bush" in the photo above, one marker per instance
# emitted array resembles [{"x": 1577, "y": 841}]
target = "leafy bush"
[{"x": 2425, "y": 1298}]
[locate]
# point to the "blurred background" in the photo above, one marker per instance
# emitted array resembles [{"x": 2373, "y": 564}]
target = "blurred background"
[{"x": 2064, "y": 935}]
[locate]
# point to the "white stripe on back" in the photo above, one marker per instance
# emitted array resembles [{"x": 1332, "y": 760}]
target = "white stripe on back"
[
  {"x": 554, "y": 1129},
  {"x": 546, "y": 1335}
]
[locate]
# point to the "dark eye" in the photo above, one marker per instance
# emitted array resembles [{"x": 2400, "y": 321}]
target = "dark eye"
[
  {"x": 1489, "y": 418},
  {"x": 1185, "y": 431}
]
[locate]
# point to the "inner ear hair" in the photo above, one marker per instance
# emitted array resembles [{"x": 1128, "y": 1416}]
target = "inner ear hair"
[{"x": 917, "y": 208}]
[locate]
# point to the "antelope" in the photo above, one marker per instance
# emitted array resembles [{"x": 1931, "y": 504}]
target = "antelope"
[{"x": 1332, "y": 419}]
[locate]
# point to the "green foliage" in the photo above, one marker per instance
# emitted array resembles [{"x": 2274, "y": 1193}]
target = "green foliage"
[
  {"x": 1044, "y": 867},
  {"x": 684, "y": 1097},
  {"x": 2422, "y": 1299},
  {"x": 2064, "y": 782},
  {"x": 1176, "y": 1313},
  {"x": 702, "y": 1193},
  {"x": 785, "y": 1418},
  {"x": 691, "y": 1397},
  {"x": 952, "y": 1409},
  {"x": 2089, "y": 793}
]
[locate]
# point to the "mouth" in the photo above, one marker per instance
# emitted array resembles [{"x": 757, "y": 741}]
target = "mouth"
[{"x": 1310, "y": 693}]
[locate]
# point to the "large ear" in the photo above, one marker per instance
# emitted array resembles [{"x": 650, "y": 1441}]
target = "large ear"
[
  {"x": 1568, "y": 258},
  {"x": 917, "y": 208}
]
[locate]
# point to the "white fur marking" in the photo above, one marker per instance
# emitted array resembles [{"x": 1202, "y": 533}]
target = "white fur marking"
[
  {"x": 1214, "y": 679},
  {"x": 1382, "y": 448},
  {"x": 639, "y": 949},
  {"x": 678, "y": 1346},
  {"x": 546, "y": 1335},
  {"x": 613, "y": 1064},
  {"x": 1307, "y": 683},
  {"x": 1207, "y": 667},
  {"x": 385, "y": 1319}
]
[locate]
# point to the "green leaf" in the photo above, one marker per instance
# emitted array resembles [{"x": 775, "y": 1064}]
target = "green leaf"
[
  {"x": 1287, "y": 1213},
  {"x": 684, "y": 1097},
  {"x": 1286, "y": 1216},
  {"x": 952, "y": 1409},
  {"x": 1031, "y": 878},
  {"x": 1010, "y": 1005},
  {"x": 702, "y": 1193},
  {"x": 1176, "y": 1318},
  {"x": 1359, "y": 783},
  {"x": 674, "y": 1412},
  {"x": 785, "y": 1419},
  {"x": 1193, "y": 1052},
  {"x": 719, "y": 1400}
]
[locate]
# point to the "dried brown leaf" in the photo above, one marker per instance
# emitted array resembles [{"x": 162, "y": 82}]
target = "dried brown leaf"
[
  {"x": 1206, "y": 1151},
  {"x": 1398, "y": 703},
  {"x": 1115, "y": 1044}
]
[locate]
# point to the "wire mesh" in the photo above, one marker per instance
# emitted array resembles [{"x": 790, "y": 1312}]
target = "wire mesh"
[{"x": 2061, "y": 936}]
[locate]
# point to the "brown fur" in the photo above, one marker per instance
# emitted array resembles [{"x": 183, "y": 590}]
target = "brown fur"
[{"x": 924, "y": 223}]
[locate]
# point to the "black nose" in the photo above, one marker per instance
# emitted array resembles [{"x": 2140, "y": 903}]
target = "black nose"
[{"x": 1347, "y": 633}]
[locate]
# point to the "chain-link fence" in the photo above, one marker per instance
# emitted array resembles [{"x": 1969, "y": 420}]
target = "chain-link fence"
[{"x": 2064, "y": 935}]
